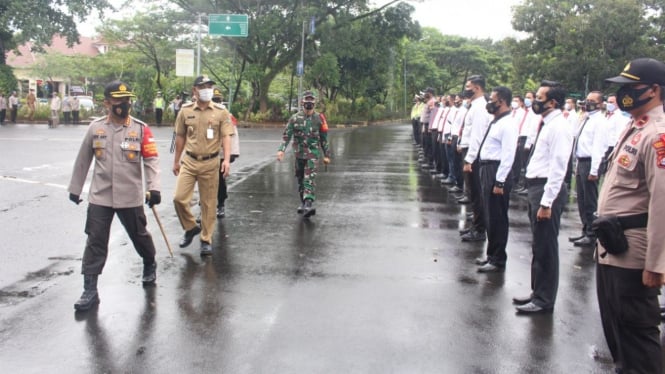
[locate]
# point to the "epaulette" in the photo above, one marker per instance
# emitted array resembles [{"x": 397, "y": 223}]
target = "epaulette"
[
  {"x": 191, "y": 103},
  {"x": 100, "y": 119},
  {"x": 139, "y": 122},
  {"x": 219, "y": 106}
]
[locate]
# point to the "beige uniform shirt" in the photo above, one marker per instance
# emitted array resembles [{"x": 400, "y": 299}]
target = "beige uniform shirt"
[
  {"x": 634, "y": 184},
  {"x": 121, "y": 153},
  {"x": 203, "y": 129}
]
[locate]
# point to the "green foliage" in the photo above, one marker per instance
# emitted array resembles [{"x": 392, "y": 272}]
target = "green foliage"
[{"x": 8, "y": 81}]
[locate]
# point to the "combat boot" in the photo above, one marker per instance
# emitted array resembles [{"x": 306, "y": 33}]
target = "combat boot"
[
  {"x": 90, "y": 297},
  {"x": 149, "y": 274},
  {"x": 308, "y": 210},
  {"x": 301, "y": 208}
]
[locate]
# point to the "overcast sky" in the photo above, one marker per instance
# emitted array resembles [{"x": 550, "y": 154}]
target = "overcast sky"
[{"x": 469, "y": 18}]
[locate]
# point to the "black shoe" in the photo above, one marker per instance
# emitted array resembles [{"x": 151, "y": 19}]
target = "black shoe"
[
  {"x": 531, "y": 308},
  {"x": 90, "y": 297},
  {"x": 474, "y": 236},
  {"x": 586, "y": 241},
  {"x": 491, "y": 268},
  {"x": 455, "y": 189},
  {"x": 149, "y": 273},
  {"x": 448, "y": 180},
  {"x": 220, "y": 212},
  {"x": 521, "y": 300},
  {"x": 301, "y": 208},
  {"x": 575, "y": 238},
  {"x": 465, "y": 231},
  {"x": 189, "y": 236},
  {"x": 198, "y": 219},
  {"x": 464, "y": 200},
  {"x": 481, "y": 261},
  {"x": 206, "y": 249},
  {"x": 308, "y": 210}
]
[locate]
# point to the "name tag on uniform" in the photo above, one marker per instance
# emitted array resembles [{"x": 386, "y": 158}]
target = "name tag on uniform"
[{"x": 209, "y": 133}]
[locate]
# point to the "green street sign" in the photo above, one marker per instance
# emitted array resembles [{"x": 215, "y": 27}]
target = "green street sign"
[{"x": 228, "y": 25}]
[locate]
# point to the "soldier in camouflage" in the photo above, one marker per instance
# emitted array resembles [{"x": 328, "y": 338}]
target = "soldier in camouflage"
[{"x": 309, "y": 131}]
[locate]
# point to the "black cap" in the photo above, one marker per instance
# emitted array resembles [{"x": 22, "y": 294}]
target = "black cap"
[
  {"x": 429, "y": 90},
  {"x": 641, "y": 70},
  {"x": 117, "y": 89},
  {"x": 203, "y": 79}
]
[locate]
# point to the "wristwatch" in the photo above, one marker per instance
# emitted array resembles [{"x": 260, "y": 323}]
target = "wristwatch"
[{"x": 499, "y": 184}]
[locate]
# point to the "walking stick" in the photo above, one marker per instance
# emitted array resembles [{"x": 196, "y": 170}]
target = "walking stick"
[{"x": 161, "y": 228}]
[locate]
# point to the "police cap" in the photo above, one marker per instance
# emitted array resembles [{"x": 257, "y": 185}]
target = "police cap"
[
  {"x": 216, "y": 93},
  {"x": 203, "y": 79},
  {"x": 117, "y": 89},
  {"x": 641, "y": 70}
]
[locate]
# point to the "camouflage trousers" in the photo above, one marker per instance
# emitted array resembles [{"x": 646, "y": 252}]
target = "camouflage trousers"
[{"x": 306, "y": 175}]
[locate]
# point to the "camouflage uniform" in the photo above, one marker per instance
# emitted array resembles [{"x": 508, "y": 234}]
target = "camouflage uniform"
[{"x": 308, "y": 133}]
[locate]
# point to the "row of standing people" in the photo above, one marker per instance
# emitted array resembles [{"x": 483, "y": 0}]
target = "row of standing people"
[
  {"x": 10, "y": 104},
  {"x": 630, "y": 251}
]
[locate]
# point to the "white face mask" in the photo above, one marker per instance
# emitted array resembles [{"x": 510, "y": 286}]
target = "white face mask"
[
  {"x": 514, "y": 104},
  {"x": 611, "y": 107},
  {"x": 205, "y": 94},
  {"x": 568, "y": 107}
]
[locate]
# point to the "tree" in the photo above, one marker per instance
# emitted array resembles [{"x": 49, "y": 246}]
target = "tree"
[{"x": 39, "y": 20}]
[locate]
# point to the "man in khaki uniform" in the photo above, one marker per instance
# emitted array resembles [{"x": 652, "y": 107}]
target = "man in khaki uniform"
[
  {"x": 202, "y": 128},
  {"x": 123, "y": 149},
  {"x": 30, "y": 100},
  {"x": 629, "y": 276}
]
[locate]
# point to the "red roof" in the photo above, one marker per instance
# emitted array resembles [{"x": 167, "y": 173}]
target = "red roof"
[{"x": 87, "y": 47}]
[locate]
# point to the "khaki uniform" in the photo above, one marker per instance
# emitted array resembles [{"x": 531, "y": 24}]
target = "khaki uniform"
[
  {"x": 203, "y": 131},
  {"x": 634, "y": 184}
]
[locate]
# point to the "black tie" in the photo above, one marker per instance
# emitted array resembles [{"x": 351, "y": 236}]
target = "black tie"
[{"x": 533, "y": 147}]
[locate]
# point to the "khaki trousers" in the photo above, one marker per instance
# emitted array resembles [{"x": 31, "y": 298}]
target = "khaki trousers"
[{"x": 206, "y": 175}]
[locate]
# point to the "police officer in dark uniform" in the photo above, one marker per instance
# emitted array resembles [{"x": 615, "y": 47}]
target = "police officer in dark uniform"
[
  {"x": 122, "y": 147},
  {"x": 631, "y": 250},
  {"x": 309, "y": 131}
]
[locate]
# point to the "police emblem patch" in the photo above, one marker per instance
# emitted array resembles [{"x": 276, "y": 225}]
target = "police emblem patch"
[{"x": 624, "y": 160}]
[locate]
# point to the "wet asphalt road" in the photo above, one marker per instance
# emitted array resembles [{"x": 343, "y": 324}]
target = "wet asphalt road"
[{"x": 377, "y": 282}]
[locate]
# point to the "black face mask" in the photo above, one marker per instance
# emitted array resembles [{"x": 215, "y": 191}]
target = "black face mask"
[
  {"x": 492, "y": 107},
  {"x": 121, "y": 110},
  {"x": 538, "y": 106},
  {"x": 590, "y": 107},
  {"x": 308, "y": 106},
  {"x": 628, "y": 97},
  {"x": 468, "y": 93}
]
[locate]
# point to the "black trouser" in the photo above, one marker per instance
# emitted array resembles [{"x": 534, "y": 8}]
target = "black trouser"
[
  {"x": 427, "y": 144},
  {"x": 221, "y": 191},
  {"x": 495, "y": 209},
  {"x": 544, "y": 245},
  {"x": 67, "y": 117},
  {"x": 98, "y": 228},
  {"x": 443, "y": 156},
  {"x": 3, "y": 113},
  {"x": 518, "y": 163},
  {"x": 415, "y": 124},
  {"x": 587, "y": 194},
  {"x": 14, "y": 111},
  {"x": 472, "y": 181},
  {"x": 75, "y": 116},
  {"x": 451, "y": 150},
  {"x": 436, "y": 150},
  {"x": 158, "y": 116},
  {"x": 630, "y": 315},
  {"x": 459, "y": 161}
]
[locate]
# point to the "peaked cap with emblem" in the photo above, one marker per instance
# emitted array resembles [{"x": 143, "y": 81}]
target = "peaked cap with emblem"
[
  {"x": 641, "y": 70},
  {"x": 117, "y": 89},
  {"x": 216, "y": 92},
  {"x": 203, "y": 79}
]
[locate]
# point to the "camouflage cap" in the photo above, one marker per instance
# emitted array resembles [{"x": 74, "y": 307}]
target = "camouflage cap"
[{"x": 308, "y": 96}]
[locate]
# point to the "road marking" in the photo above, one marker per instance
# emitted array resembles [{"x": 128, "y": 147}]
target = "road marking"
[{"x": 21, "y": 180}]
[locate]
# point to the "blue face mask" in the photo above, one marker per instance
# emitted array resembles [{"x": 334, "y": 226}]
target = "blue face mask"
[
  {"x": 527, "y": 103},
  {"x": 611, "y": 107}
]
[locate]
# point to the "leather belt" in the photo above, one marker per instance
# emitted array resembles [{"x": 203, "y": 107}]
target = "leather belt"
[
  {"x": 584, "y": 159},
  {"x": 535, "y": 181},
  {"x": 634, "y": 221},
  {"x": 201, "y": 157},
  {"x": 490, "y": 162}
]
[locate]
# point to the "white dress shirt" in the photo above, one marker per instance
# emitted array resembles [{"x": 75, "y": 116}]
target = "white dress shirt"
[
  {"x": 530, "y": 128},
  {"x": 475, "y": 126},
  {"x": 617, "y": 120},
  {"x": 550, "y": 157},
  {"x": 456, "y": 125},
  {"x": 437, "y": 113},
  {"x": 500, "y": 145},
  {"x": 592, "y": 140}
]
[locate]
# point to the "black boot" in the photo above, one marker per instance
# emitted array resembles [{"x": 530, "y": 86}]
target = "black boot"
[
  {"x": 149, "y": 274},
  {"x": 301, "y": 208},
  {"x": 90, "y": 297},
  {"x": 308, "y": 210}
]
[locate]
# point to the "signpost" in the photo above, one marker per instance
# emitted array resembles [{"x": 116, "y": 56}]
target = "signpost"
[
  {"x": 184, "y": 62},
  {"x": 235, "y": 25}
]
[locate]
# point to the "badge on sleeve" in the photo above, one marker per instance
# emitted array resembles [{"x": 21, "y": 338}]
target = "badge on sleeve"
[
  {"x": 659, "y": 145},
  {"x": 148, "y": 146}
]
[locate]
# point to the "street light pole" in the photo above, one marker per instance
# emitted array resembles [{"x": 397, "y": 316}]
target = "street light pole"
[
  {"x": 302, "y": 61},
  {"x": 198, "y": 49}
]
